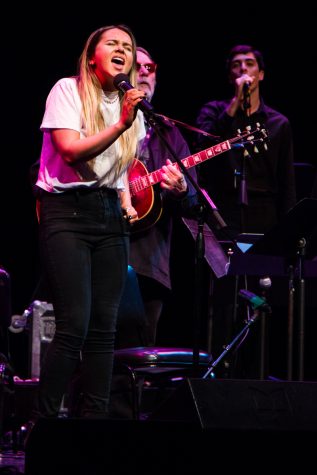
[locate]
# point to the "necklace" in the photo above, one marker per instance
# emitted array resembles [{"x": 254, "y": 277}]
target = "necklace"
[{"x": 108, "y": 99}]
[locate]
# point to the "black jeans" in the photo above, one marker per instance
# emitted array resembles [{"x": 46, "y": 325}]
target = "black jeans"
[{"x": 84, "y": 248}]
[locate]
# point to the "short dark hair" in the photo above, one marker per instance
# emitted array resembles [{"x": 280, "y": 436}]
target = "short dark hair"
[{"x": 244, "y": 49}]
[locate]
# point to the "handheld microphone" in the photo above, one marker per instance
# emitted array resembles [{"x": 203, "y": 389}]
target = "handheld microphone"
[
  {"x": 254, "y": 300},
  {"x": 122, "y": 83}
]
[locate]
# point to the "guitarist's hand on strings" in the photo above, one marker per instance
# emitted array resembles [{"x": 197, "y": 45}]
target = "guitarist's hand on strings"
[{"x": 173, "y": 179}]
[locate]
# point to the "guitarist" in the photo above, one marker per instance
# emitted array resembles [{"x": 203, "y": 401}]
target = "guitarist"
[{"x": 150, "y": 248}]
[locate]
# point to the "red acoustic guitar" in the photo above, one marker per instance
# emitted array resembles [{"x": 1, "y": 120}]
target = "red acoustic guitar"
[{"x": 146, "y": 198}]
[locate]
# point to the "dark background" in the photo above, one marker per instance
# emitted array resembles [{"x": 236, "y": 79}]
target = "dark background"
[{"x": 38, "y": 48}]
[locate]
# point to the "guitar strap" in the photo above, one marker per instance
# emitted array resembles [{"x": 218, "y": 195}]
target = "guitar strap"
[{"x": 143, "y": 152}]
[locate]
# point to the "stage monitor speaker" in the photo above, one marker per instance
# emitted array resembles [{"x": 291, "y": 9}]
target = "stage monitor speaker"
[{"x": 243, "y": 405}]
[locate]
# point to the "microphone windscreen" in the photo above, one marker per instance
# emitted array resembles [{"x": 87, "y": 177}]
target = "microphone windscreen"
[{"x": 120, "y": 78}]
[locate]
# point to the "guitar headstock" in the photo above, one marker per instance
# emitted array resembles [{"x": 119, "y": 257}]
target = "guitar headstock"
[{"x": 251, "y": 138}]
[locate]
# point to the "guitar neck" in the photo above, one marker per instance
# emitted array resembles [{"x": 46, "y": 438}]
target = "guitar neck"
[{"x": 152, "y": 178}]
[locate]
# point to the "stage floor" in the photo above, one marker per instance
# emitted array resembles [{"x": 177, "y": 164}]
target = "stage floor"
[{"x": 12, "y": 463}]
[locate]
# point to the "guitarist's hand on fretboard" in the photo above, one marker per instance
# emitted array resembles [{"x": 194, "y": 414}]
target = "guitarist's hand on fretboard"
[{"x": 173, "y": 179}]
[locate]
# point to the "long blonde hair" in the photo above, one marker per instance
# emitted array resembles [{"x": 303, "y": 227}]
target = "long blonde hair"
[{"x": 90, "y": 92}]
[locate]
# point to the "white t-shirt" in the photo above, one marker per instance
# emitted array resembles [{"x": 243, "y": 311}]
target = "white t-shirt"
[{"x": 63, "y": 111}]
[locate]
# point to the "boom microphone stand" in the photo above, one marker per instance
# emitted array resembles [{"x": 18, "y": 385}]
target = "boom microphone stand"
[
  {"x": 261, "y": 308},
  {"x": 206, "y": 210}
]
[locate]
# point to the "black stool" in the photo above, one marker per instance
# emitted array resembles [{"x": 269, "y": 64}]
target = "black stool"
[{"x": 161, "y": 366}]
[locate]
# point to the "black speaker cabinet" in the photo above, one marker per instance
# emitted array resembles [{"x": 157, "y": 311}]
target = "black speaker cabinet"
[
  {"x": 243, "y": 405},
  {"x": 205, "y": 425}
]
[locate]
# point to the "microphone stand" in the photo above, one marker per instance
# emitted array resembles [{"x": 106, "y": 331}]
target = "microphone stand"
[
  {"x": 243, "y": 196},
  {"x": 243, "y": 192},
  {"x": 260, "y": 313},
  {"x": 206, "y": 212}
]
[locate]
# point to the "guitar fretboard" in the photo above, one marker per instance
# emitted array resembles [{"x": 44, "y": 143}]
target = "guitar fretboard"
[{"x": 151, "y": 179}]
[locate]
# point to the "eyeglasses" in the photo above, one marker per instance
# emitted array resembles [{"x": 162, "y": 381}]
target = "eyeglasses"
[{"x": 150, "y": 67}]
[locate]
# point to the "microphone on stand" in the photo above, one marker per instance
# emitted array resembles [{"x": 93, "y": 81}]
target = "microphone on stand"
[
  {"x": 122, "y": 83},
  {"x": 255, "y": 301}
]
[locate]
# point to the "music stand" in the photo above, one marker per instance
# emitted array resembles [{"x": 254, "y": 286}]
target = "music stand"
[{"x": 294, "y": 238}]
